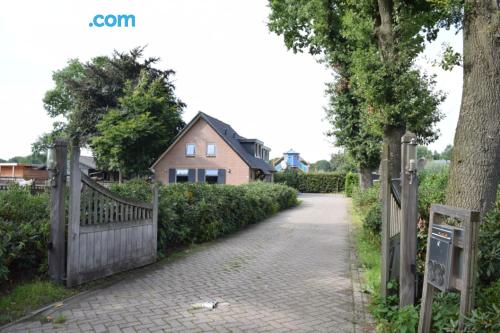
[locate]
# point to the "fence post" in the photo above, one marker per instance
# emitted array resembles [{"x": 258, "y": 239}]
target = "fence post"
[
  {"x": 471, "y": 233},
  {"x": 75, "y": 185},
  {"x": 386, "y": 215},
  {"x": 408, "y": 243},
  {"x": 155, "y": 219},
  {"x": 57, "y": 246}
]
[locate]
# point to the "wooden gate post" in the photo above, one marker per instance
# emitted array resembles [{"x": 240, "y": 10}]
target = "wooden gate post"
[
  {"x": 75, "y": 184},
  {"x": 155, "y": 219},
  {"x": 385, "y": 183},
  {"x": 408, "y": 244},
  {"x": 57, "y": 246}
]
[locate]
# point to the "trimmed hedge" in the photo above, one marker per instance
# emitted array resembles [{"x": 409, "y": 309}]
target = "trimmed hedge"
[
  {"x": 24, "y": 232},
  {"x": 328, "y": 182},
  {"x": 188, "y": 213},
  {"x": 195, "y": 213}
]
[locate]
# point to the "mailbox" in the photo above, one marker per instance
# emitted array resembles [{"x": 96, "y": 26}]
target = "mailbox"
[{"x": 441, "y": 256}]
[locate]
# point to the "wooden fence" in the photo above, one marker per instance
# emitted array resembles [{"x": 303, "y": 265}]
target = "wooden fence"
[{"x": 106, "y": 233}]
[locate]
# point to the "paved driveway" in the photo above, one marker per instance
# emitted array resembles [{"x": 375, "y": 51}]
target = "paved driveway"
[{"x": 289, "y": 273}]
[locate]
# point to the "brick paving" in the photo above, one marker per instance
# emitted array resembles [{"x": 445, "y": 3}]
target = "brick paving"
[{"x": 290, "y": 273}]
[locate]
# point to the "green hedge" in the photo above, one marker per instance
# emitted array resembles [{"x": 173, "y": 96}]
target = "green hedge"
[
  {"x": 195, "y": 213},
  {"x": 328, "y": 182},
  {"x": 188, "y": 213},
  {"x": 24, "y": 232}
]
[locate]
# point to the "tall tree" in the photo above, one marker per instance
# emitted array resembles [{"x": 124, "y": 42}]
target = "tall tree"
[
  {"x": 91, "y": 98},
  {"x": 84, "y": 92},
  {"x": 131, "y": 136},
  {"x": 475, "y": 164},
  {"x": 371, "y": 45}
]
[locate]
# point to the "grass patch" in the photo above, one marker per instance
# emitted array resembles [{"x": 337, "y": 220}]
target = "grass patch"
[
  {"x": 368, "y": 253},
  {"x": 29, "y": 296}
]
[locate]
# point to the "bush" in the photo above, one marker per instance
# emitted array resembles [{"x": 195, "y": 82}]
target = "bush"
[
  {"x": 367, "y": 202},
  {"x": 195, "y": 213},
  {"x": 489, "y": 245},
  {"x": 351, "y": 183},
  {"x": 431, "y": 189},
  {"x": 327, "y": 182},
  {"x": 24, "y": 232}
]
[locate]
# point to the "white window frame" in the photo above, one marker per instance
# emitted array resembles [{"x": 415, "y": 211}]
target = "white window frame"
[
  {"x": 215, "y": 150},
  {"x": 194, "y": 149}
]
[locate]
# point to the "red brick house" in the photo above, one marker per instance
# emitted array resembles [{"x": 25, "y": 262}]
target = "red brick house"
[{"x": 210, "y": 151}]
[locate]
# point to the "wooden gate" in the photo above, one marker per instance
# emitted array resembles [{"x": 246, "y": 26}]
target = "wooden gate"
[{"x": 106, "y": 233}]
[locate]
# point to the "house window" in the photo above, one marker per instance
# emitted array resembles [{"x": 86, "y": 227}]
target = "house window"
[
  {"x": 181, "y": 175},
  {"x": 190, "y": 149},
  {"x": 211, "y": 176},
  {"x": 211, "y": 149}
]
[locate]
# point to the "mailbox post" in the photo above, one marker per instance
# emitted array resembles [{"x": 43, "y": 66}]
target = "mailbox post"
[{"x": 450, "y": 262}]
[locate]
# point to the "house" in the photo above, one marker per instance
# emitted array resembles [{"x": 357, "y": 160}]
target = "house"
[
  {"x": 10, "y": 172},
  {"x": 15, "y": 172},
  {"x": 210, "y": 151},
  {"x": 291, "y": 159}
]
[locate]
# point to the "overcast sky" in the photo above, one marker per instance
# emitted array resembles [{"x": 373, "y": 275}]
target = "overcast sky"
[{"x": 227, "y": 64}]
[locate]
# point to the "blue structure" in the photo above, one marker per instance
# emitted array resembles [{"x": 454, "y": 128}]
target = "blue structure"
[{"x": 291, "y": 159}]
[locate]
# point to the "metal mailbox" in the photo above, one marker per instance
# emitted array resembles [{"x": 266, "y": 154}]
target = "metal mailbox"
[{"x": 441, "y": 252}]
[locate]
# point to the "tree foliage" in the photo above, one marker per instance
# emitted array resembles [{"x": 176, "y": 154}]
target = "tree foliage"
[
  {"x": 320, "y": 166},
  {"x": 371, "y": 46},
  {"x": 115, "y": 104},
  {"x": 131, "y": 136},
  {"x": 342, "y": 162}
]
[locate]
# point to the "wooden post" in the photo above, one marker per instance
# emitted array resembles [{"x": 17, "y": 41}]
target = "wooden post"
[
  {"x": 385, "y": 183},
  {"x": 57, "y": 246},
  {"x": 424, "y": 322},
  {"x": 471, "y": 234},
  {"x": 408, "y": 244},
  {"x": 155, "y": 219},
  {"x": 75, "y": 185}
]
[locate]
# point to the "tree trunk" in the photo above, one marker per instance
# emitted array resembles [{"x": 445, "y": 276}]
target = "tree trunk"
[
  {"x": 392, "y": 137},
  {"x": 120, "y": 177},
  {"x": 365, "y": 178},
  {"x": 475, "y": 164}
]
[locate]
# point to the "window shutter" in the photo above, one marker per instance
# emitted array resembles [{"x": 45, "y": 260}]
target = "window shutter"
[
  {"x": 201, "y": 175},
  {"x": 171, "y": 176},
  {"x": 192, "y": 175},
  {"x": 221, "y": 179}
]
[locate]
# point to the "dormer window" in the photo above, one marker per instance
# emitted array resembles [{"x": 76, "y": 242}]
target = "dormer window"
[{"x": 190, "y": 149}]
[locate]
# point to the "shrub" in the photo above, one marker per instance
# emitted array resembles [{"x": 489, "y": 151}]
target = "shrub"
[
  {"x": 351, "y": 183},
  {"x": 367, "y": 202},
  {"x": 489, "y": 245},
  {"x": 327, "y": 182},
  {"x": 431, "y": 189},
  {"x": 195, "y": 213},
  {"x": 24, "y": 232}
]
